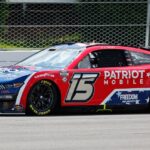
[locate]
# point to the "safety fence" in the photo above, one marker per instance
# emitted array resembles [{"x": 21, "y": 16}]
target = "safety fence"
[{"x": 38, "y": 25}]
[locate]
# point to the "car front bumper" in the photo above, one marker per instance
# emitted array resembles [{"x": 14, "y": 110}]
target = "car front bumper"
[{"x": 7, "y": 104}]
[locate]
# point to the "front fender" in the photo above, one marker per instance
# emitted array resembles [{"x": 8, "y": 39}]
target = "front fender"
[{"x": 30, "y": 81}]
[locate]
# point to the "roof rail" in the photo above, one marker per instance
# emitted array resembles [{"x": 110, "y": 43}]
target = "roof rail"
[{"x": 105, "y": 44}]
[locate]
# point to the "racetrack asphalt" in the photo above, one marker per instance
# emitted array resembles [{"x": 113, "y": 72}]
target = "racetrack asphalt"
[{"x": 76, "y": 132}]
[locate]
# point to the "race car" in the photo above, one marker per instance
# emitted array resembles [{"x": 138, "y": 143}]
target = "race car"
[{"x": 72, "y": 75}]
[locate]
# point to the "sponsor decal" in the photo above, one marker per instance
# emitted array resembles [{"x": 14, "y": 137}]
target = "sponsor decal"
[
  {"x": 128, "y": 96},
  {"x": 46, "y": 82},
  {"x": 124, "y": 77},
  {"x": 64, "y": 79},
  {"x": 44, "y": 75}
]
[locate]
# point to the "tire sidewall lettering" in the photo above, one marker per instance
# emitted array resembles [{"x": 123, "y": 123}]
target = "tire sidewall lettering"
[{"x": 31, "y": 106}]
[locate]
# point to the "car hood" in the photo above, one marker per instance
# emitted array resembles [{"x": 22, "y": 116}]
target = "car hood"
[{"x": 12, "y": 73}]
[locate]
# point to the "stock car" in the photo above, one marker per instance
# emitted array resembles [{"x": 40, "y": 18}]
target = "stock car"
[{"x": 72, "y": 75}]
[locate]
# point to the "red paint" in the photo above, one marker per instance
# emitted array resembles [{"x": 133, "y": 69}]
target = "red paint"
[{"x": 101, "y": 91}]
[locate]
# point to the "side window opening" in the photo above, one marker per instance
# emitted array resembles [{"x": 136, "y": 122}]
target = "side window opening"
[
  {"x": 85, "y": 63},
  {"x": 110, "y": 58},
  {"x": 140, "y": 58},
  {"x": 104, "y": 58}
]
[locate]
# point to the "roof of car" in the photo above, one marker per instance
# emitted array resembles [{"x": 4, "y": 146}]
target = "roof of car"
[
  {"x": 73, "y": 45},
  {"x": 82, "y": 46}
]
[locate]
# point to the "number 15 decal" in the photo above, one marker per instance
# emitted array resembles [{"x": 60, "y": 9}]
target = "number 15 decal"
[{"x": 81, "y": 87}]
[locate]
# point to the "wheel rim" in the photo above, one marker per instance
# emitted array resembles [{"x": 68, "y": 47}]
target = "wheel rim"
[{"x": 41, "y": 96}]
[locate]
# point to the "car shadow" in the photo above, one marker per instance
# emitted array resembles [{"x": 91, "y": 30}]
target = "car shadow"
[{"x": 70, "y": 113}]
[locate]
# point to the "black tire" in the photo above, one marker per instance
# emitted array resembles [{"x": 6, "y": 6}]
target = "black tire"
[{"x": 42, "y": 99}]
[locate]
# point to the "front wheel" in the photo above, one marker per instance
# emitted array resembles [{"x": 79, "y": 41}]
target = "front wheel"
[{"x": 42, "y": 99}]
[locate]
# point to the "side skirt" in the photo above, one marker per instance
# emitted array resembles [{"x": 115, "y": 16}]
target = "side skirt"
[{"x": 106, "y": 108}]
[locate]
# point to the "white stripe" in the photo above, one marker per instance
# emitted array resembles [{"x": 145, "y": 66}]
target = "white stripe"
[
  {"x": 92, "y": 75},
  {"x": 22, "y": 89},
  {"x": 118, "y": 90},
  {"x": 77, "y": 76}
]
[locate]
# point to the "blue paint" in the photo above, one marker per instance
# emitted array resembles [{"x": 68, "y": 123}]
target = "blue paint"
[{"x": 129, "y": 97}]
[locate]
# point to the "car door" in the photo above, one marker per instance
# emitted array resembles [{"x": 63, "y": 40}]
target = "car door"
[
  {"x": 121, "y": 82},
  {"x": 108, "y": 77}
]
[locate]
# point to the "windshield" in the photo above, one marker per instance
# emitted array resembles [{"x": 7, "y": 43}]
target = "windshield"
[{"x": 57, "y": 59}]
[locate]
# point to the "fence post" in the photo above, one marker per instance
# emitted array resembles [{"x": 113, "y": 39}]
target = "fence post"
[{"x": 147, "y": 25}]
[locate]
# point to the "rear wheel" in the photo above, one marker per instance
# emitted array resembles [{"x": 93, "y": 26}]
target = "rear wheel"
[{"x": 42, "y": 99}]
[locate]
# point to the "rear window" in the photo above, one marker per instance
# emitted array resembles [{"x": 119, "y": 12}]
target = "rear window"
[{"x": 140, "y": 58}]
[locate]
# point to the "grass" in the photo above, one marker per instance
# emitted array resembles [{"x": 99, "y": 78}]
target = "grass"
[{"x": 33, "y": 44}]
